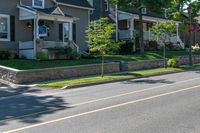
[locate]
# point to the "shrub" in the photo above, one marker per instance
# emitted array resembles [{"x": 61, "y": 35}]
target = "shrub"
[
  {"x": 86, "y": 55},
  {"x": 126, "y": 48},
  {"x": 153, "y": 45},
  {"x": 14, "y": 55},
  {"x": 41, "y": 55},
  {"x": 171, "y": 46},
  {"x": 173, "y": 62},
  {"x": 4, "y": 55},
  {"x": 60, "y": 50},
  {"x": 75, "y": 56}
]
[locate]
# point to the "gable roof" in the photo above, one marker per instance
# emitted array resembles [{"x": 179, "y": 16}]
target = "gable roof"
[
  {"x": 77, "y": 3},
  {"x": 48, "y": 11}
]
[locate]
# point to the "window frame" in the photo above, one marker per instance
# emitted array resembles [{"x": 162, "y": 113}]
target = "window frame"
[
  {"x": 106, "y": 3},
  {"x": 36, "y": 6},
  {"x": 8, "y": 27}
]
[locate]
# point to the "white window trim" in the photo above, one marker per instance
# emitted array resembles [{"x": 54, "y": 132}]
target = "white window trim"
[
  {"x": 8, "y": 24},
  {"x": 33, "y": 4},
  {"x": 107, "y": 5}
]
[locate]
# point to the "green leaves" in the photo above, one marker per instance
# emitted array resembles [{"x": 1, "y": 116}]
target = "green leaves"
[
  {"x": 163, "y": 30},
  {"x": 99, "y": 34}
]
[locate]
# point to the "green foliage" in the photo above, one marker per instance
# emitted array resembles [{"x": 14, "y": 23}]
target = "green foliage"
[
  {"x": 153, "y": 45},
  {"x": 163, "y": 30},
  {"x": 176, "y": 8},
  {"x": 126, "y": 48},
  {"x": 99, "y": 34},
  {"x": 173, "y": 62},
  {"x": 41, "y": 56},
  {"x": 4, "y": 55},
  {"x": 66, "y": 52},
  {"x": 152, "y": 5},
  {"x": 60, "y": 50}
]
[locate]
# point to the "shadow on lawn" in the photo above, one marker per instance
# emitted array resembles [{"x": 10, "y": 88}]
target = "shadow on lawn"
[{"x": 23, "y": 104}]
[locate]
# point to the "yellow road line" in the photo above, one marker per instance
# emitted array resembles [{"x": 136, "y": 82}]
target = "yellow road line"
[
  {"x": 100, "y": 99},
  {"x": 101, "y": 109}
]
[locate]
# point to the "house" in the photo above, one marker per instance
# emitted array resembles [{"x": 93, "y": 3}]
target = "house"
[
  {"x": 127, "y": 21},
  {"x": 33, "y": 25}
]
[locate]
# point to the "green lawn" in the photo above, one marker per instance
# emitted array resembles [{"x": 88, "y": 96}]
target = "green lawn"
[
  {"x": 35, "y": 64},
  {"x": 148, "y": 55},
  {"x": 99, "y": 79}
]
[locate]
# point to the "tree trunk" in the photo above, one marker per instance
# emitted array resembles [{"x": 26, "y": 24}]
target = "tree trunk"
[
  {"x": 141, "y": 33},
  {"x": 102, "y": 67}
]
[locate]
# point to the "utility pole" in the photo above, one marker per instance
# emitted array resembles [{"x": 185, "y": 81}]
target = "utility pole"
[
  {"x": 190, "y": 36},
  {"x": 116, "y": 21}
]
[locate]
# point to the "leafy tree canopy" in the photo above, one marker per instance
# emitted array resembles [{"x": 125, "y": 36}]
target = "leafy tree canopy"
[{"x": 151, "y": 5}]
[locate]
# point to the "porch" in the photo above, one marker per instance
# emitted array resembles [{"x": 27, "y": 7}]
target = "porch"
[
  {"x": 49, "y": 30},
  {"x": 128, "y": 25},
  {"x": 148, "y": 35}
]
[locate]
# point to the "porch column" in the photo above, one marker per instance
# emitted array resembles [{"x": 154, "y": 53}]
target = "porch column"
[
  {"x": 71, "y": 31},
  {"x": 132, "y": 27},
  {"x": 35, "y": 34},
  {"x": 177, "y": 32}
]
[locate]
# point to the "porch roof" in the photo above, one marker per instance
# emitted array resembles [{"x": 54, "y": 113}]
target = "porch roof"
[{"x": 53, "y": 13}]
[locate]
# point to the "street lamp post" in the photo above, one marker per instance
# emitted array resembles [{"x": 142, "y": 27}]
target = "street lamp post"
[{"x": 190, "y": 35}]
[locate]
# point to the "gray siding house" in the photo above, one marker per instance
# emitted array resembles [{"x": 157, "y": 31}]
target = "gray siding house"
[
  {"x": 127, "y": 21},
  {"x": 33, "y": 25}
]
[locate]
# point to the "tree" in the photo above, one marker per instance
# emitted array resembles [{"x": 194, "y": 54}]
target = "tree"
[
  {"x": 163, "y": 31},
  {"x": 193, "y": 8},
  {"x": 152, "y": 5},
  {"x": 99, "y": 38}
]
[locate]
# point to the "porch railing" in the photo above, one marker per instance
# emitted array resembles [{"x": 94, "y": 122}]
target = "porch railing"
[{"x": 125, "y": 34}]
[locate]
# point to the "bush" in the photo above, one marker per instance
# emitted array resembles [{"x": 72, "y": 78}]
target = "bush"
[
  {"x": 75, "y": 56},
  {"x": 153, "y": 45},
  {"x": 126, "y": 48},
  {"x": 4, "y": 55},
  {"x": 86, "y": 55},
  {"x": 171, "y": 46},
  {"x": 60, "y": 50},
  {"x": 14, "y": 55},
  {"x": 41, "y": 56},
  {"x": 173, "y": 63}
]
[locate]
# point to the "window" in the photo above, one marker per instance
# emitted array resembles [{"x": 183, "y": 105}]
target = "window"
[
  {"x": 38, "y": 3},
  {"x": 4, "y": 27},
  {"x": 106, "y": 5}
]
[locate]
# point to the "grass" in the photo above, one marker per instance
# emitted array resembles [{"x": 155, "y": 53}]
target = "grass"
[
  {"x": 152, "y": 55},
  {"x": 99, "y": 79},
  {"x": 35, "y": 64}
]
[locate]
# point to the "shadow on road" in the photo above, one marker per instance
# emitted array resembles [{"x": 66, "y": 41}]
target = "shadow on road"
[
  {"x": 24, "y": 104},
  {"x": 149, "y": 81}
]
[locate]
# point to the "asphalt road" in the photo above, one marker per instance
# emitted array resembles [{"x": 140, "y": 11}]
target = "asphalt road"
[{"x": 160, "y": 104}]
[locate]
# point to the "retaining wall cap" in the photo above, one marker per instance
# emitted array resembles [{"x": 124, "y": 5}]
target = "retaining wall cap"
[{"x": 9, "y": 68}]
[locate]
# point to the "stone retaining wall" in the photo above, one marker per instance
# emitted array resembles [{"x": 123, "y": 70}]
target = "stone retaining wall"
[
  {"x": 30, "y": 76},
  {"x": 139, "y": 65}
]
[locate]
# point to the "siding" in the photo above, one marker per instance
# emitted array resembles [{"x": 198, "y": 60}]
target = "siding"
[
  {"x": 22, "y": 33},
  {"x": 81, "y": 24},
  {"x": 48, "y": 3}
]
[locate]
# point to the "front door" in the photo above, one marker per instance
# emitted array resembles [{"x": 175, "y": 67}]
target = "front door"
[{"x": 66, "y": 32}]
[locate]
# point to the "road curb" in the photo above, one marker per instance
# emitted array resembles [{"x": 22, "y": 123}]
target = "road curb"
[{"x": 117, "y": 80}]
